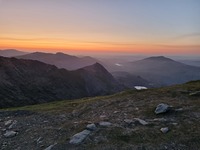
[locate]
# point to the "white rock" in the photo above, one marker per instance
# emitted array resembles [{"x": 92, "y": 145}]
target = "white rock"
[
  {"x": 7, "y": 123},
  {"x": 164, "y": 130},
  {"x": 141, "y": 121},
  {"x": 162, "y": 108},
  {"x": 140, "y": 87},
  {"x": 105, "y": 124},
  {"x": 79, "y": 137},
  {"x": 10, "y": 134},
  {"x": 91, "y": 127}
]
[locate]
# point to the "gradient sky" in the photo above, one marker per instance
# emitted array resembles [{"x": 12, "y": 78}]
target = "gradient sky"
[{"x": 134, "y": 26}]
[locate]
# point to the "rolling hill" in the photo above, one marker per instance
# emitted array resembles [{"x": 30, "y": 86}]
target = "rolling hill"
[{"x": 163, "y": 71}]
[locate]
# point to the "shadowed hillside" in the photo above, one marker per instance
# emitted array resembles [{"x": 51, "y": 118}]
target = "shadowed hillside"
[{"x": 24, "y": 82}]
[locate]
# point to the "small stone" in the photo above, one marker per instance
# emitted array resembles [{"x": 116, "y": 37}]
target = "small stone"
[
  {"x": 115, "y": 112},
  {"x": 160, "y": 119},
  {"x": 103, "y": 116},
  {"x": 50, "y": 147},
  {"x": 7, "y": 123},
  {"x": 39, "y": 140},
  {"x": 79, "y": 137},
  {"x": 141, "y": 121},
  {"x": 128, "y": 121},
  {"x": 10, "y": 134},
  {"x": 164, "y": 130},
  {"x": 91, "y": 127},
  {"x": 162, "y": 108},
  {"x": 13, "y": 124},
  {"x": 175, "y": 124},
  {"x": 197, "y": 93},
  {"x": 179, "y": 109},
  {"x": 105, "y": 124}
]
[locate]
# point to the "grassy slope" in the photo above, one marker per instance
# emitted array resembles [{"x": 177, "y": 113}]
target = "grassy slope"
[{"x": 131, "y": 104}]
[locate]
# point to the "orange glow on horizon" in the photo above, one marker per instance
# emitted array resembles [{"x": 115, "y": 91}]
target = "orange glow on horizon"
[{"x": 55, "y": 45}]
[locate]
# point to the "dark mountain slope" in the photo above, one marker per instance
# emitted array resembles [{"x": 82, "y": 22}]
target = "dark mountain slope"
[
  {"x": 11, "y": 53},
  {"x": 61, "y": 60},
  {"x": 24, "y": 82},
  {"x": 163, "y": 70},
  {"x": 99, "y": 79},
  {"x": 130, "y": 80}
]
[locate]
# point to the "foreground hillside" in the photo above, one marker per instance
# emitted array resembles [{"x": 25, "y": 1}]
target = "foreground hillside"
[{"x": 122, "y": 121}]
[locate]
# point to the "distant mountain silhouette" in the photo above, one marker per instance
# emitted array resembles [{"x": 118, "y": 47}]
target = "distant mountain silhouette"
[
  {"x": 163, "y": 71},
  {"x": 11, "y": 53},
  {"x": 61, "y": 60},
  {"x": 24, "y": 82}
]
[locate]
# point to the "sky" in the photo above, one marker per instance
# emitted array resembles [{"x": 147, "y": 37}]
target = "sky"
[{"x": 101, "y": 26}]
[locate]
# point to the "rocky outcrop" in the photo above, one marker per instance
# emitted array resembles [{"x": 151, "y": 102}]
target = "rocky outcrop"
[{"x": 162, "y": 108}]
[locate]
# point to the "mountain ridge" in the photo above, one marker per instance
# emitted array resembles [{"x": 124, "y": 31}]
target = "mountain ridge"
[{"x": 29, "y": 82}]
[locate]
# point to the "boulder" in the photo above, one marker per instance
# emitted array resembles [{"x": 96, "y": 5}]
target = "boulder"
[
  {"x": 162, "y": 108},
  {"x": 79, "y": 137}
]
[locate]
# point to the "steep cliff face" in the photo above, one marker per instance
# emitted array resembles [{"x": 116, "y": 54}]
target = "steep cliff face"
[{"x": 24, "y": 82}]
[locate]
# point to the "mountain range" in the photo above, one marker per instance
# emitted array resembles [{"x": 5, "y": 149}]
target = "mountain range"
[
  {"x": 61, "y": 60},
  {"x": 11, "y": 53},
  {"x": 25, "y": 82}
]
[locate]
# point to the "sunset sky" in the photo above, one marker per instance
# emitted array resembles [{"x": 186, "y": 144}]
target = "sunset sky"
[{"x": 132, "y": 26}]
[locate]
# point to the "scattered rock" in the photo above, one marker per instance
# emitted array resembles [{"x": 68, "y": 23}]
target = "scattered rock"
[
  {"x": 7, "y": 123},
  {"x": 162, "y": 108},
  {"x": 91, "y": 127},
  {"x": 164, "y": 130},
  {"x": 179, "y": 109},
  {"x": 196, "y": 93},
  {"x": 39, "y": 140},
  {"x": 175, "y": 124},
  {"x": 141, "y": 121},
  {"x": 128, "y": 121},
  {"x": 105, "y": 124},
  {"x": 13, "y": 124},
  {"x": 79, "y": 137},
  {"x": 10, "y": 134},
  {"x": 103, "y": 116},
  {"x": 160, "y": 119},
  {"x": 115, "y": 112},
  {"x": 50, "y": 147}
]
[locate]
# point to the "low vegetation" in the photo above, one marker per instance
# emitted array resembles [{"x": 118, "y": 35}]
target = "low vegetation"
[{"x": 56, "y": 122}]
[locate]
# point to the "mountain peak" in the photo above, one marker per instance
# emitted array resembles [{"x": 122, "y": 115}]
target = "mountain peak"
[{"x": 158, "y": 58}]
